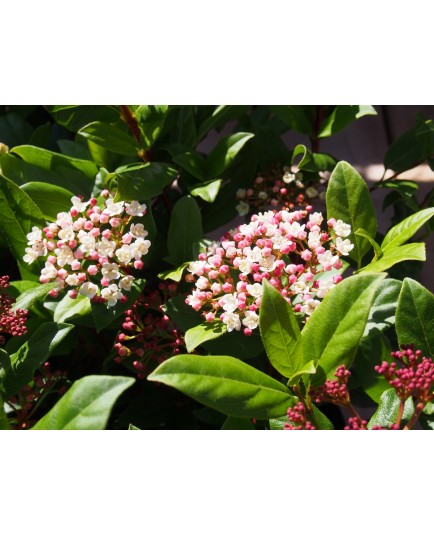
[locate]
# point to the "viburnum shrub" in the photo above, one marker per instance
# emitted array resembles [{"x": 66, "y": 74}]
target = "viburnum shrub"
[
  {"x": 172, "y": 267},
  {"x": 91, "y": 249},
  {"x": 289, "y": 249}
]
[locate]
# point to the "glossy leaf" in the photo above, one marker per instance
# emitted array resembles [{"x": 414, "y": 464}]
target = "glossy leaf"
[
  {"x": 224, "y": 154},
  {"x": 87, "y": 405},
  {"x": 407, "y": 252},
  {"x": 32, "y": 295},
  {"x": 387, "y": 411},
  {"x": 333, "y": 332},
  {"x": 225, "y": 384},
  {"x": 221, "y": 115},
  {"x": 404, "y": 230},
  {"x": 382, "y": 313},
  {"x": 151, "y": 120},
  {"x": 348, "y": 199},
  {"x": 280, "y": 332},
  {"x": 110, "y": 137},
  {"x": 374, "y": 244},
  {"x": 235, "y": 423},
  {"x": 174, "y": 275},
  {"x": 415, "y": 317},
  {"x": 193, "y": 162},
  {"x": 75, "y": 117},
  {"x": 208, "y": 192},
  {"x": 18, "y": 215},
  {"x": 295, "y": 117},
  {"x": 341, "y": 117},
  {"x": 404, "y": 153},
  {"x": 312, "y": 161},
  {"x": 197, "y": 335},
  {"x": 70, "y": 310},
  {"x": 132, "y": 427},
  {"x": 49, "y": 198},
  {"x": 184, "y": 230},
  {"x": 143, "y": 181},
  {"x": 14, "y": 130},
  {"x": 32, "y": 354}
]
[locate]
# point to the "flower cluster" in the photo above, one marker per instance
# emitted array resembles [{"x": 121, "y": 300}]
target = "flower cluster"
[
  {"x": 148, "y": 336},
  {"x": 92, "y": 249},
  {"x": 27, "y": 401},
  {"x": 11, "y": 322},
  {"x": 357, "y": 423},
  {"x": 275, "y": 191},
  {"x": 334, "y": 391},
  {"x": 293, "y": 256},
  {"x": 297, "y": 417},
  {"x": 414, "y": 377}
]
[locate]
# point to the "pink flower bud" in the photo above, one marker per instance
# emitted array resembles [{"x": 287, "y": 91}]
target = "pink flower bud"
[
  {"x": 54, "y": 293},
  {"x": 104, "y": 218},
  {"x": 138, "y": 265},
  {"x": 105, "y": 282},
  {"x": 73, "y": 212},
  {"x": 82, "y": 277},
  {"x": 93, "y": 201},
  {"x": 224, "y": 269},
  {"x": 105, "y": 194},
  {"x": 72, "y": 294},
  {"x": 78, "y": 254},
  {"x": 75, "y": 265},
  {"x": 213, "y": 274},
  {"x": 88, "y": 225},
  {"x": 306, "y": 255},
  {"x": 62, "y": 273},
  {"x": 115, "y": 222},
  {"x": 107, "y": 234},
  {"x": 95, "y": 232},
  {"x": 227, "y": 287},
  {"x": 210, "y": 317},
  {"x": 51, "y": 259},
  {"x": 92, "y": 269},
  {"x": 247, "y": 332}
]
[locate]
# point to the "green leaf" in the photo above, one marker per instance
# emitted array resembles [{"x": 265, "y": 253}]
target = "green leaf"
[
  {"x": 235, "y": 423},
  {"x": 110, "y": 137},
  {"x": 151, "y": 120},
  {"x": 408, "y": 252},
  {"x": 132, "y": 427},
  {"x": 295, "y": 117},
  {"x": 382, "y": 313},
  {"x": 220, "y": 116},
  {"x": 194, "y": 337},
  {"x": 404, "y": 153},
  {"x": 174, "y": 275},
  {"x": 185, "y": 229},
  {"x": 87, "y": 405},
  {"x": 415, "y": 317},
  {"x": 32, "y": 295},
  {"x": 320, "y": 420},
  {"x": 14, "y": 130},
  {"x": 404, "y": 230},
  {"x": 69, "y": 309},
  {"x": 225, "y": 384},
  {"x": 225, "y": 152},
  {"x": 29, "y": 164},
  {"x": 333, "y": 332},
  {"x": 278, "y": 423},
  {"x": 30, "y": 356},
  {"x": 193, "y": 162},
  {"x": 49, "y": 198},
  {"x": 313, "y": 162},
  {"x": 348, "y": 200},
  {"x": 4, "y": 421},
  {"x": 377, "y": 248},
  {"x": 280, "y": 332},
  {"x": 143, "y": 181},
  {"x": 341, "y": 117},
  {"x": 387, "y": 411},
  {"x": 18, "y": 215},
  {"x": 103, "y": 316},
  {"x": 76, "y": 117},
  {"x": 208, "y": 192}
]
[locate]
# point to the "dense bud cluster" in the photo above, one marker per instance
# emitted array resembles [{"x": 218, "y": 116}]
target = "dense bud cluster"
[
  {"x": 11, "y": 322},
  {"x": 297, "y": 416},
  {"x": 334, "y": 391},
  {"x": 414, "y": 377},
  {"x": 91, "y": 249},
  {"x": 275, "y": 191},
  {"x": 25, "y": 403},
  {"x": 292, "y": 250},
  {"x": 356, "y": 423},
  {"x": 148, "y": 336}
]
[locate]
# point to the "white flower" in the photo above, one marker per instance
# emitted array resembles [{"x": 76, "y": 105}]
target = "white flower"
[
  {"x": 324, "y": 286},
  {"x": 72, "y": 280},
  {"x": 196, "y": 267},
  {"x": 49, "y": 271},
  {"x": 255, "y": 290},
  {"x": 113, "y": 209},
  {"x": 327, "y": 260},
  {"x": 240, "y": 193},
  {"x": 202, "y": 283},
  {"x": 64, "y": 255},
  {"x": 124, "y": 254},
  {"x": 34, "y": 236},
  {"x": 262, "y": 195},
  {"x": 243, "y": 208},
  {"x": 126, "y": 282},
  {"x": 78, "y": 204},
  {"x": 230, "y": 302},
  {"x": 88, "y": 289},
  {"x": 343, "y": 246},
  {"x": 314, "y": 240},
  {"x": 300, "y": 287},
  {"x": 87, "y": 241},
  {"x": 245, "y": 266},
  {"x": 267, "y": 263},
  {"x": 232, "y": 321},
  {"x": 105, "y": 247},
  {"x": 311, "y": 192},
  {"x": 316, "y": 218},
  {"x": 251, "y": 320},
  {"x": 342, "y": 229},
  {"x": 111, "y": 294},
  {"x": 194, "y": 299},
  {"x": 66, "y": 234},
  {"x": 139, "y": 248},
  {"x": 288, "y": 177},
  {"x": 64, "y": 219},
  {"x": 138, "y": 231},
  {"x": 135, "y": 208},
  {"x": 30, "y": 256},
  {"x": 309, "y": 306},
  {"x": 110, "y": 270}
]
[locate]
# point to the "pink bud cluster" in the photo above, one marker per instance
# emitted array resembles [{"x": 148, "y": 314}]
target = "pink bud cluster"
[
  {"x": 272, "y": 190},
  {"x": 11, "y": 322},
  {"x": 24, "y": 403},
  {"x": 91, "y": 250},
  {"x": 297, "y": 416},
  {"x": 148, "y": 336},
  {"x": 356, "y": 423},
  {"x": 334, "y": 391},
  {"x": 413, "y": 377},
  {"x": 291, "y": 250}
]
